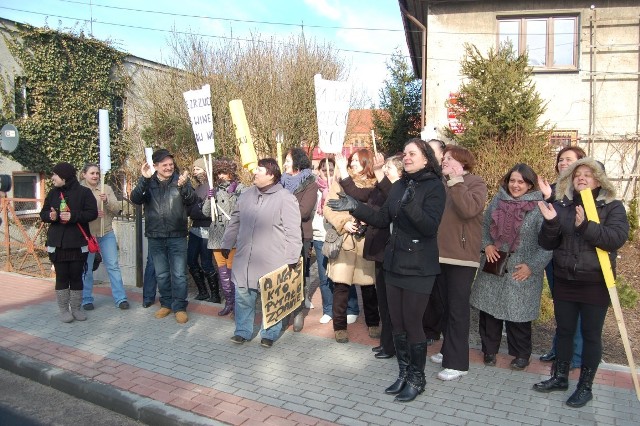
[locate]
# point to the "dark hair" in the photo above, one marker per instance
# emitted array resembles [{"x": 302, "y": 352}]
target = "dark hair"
[
  {"x": 578, "y": 151},
  {"x": 438, "y": 141},
  {"x": 462, "y": 155},
  {"x": 366, "y": 161},
  {"x": 528, "y": 175},
  {"x": 432, "y": 163},
  {"x": 272, "y": 168},
  {"x": 299, "y": 158},
  {"x": 321, "y": 164},
  {"x": 226, "y": 166}
]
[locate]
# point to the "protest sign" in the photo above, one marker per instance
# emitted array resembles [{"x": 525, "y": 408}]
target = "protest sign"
[
  {"x": 332, "y": 105},
  {"x": 199, "y": 108},
  {"x": 248, "y": 155},
  {"x": 281, "y": 293},
  {"x": 105, "y": 142}
]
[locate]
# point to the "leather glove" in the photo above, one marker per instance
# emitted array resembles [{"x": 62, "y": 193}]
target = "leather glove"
[
  {"x": 343, "y": 203},
  {"x": 225, "y": 253},
  {"x": 210, "y": 193},
  {"x": 409, "y": 193}
]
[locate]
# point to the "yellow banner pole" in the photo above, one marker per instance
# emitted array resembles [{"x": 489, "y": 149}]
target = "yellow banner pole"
[{"x": 607, "y": 271}]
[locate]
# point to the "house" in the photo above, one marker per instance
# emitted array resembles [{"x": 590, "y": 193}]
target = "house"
[{"x": 585, "y": 61}]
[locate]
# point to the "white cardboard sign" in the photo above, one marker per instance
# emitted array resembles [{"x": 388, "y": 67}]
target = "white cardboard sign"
[
  {"x": 332, "y": 105},
  {"x": 199, "y": 106}
]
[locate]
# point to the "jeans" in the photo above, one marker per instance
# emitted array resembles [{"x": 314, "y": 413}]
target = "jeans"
[
  {"x": 149, "y": 283},
  {"x": 109, "y": 251},
  {"x": 245, "y": 312},
  {"x": 326, "y": 285},
  {"x": 352, "y": 303},
  {"x": 197, "y": 248},
  {"x": 170, "y": 261}
]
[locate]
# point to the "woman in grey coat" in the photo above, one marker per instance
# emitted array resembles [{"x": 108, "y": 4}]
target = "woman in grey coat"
[{"x": 511, "y": 224}]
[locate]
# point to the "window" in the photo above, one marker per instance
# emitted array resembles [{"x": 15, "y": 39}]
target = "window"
[
  {"x": 561, "y": 138},
  {"x": 551, "y": 41},
  {"x": 22, "y": 101},
  {"x": 27, "y": 185}
]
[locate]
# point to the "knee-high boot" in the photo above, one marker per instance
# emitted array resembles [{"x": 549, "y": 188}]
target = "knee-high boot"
[
  {"x": 415, "y": 373},
  {"x": 198, "y": 278},
  {"x": 559, "y": 378},
  {"x": 402, "y": 353},
  {"x": 75, "y": 302},
  {"x": 227, "y": 289},
  {"x": 214, "y": 287},
  {"x": 583, "y": 394},
  {"x": 63, "y": 304}
]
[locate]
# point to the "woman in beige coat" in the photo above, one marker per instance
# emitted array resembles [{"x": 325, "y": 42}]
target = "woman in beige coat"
[{"x": 350, "y": 267}]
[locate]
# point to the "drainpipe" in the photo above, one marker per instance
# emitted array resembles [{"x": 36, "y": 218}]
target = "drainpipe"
[{"x": 424, "y": 63}]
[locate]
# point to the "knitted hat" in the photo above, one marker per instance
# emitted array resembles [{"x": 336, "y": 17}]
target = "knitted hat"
[
  {"x": 160, "y": 155},
  {"x": 199, "y": 163},
  {"x": 65, "y": 171}
]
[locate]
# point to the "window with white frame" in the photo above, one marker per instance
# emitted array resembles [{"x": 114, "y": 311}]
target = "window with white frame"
[
  {"x": 550, "y": 41},
  {"x": 27, "y": 185}
]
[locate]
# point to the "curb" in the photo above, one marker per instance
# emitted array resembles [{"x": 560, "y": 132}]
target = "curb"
[{"x": 145, "y": 410}]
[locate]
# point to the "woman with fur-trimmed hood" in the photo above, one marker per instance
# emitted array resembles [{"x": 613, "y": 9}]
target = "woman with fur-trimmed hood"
[{"x": 579, "y": 285}]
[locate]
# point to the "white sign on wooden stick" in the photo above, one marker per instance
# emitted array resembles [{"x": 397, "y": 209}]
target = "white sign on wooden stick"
[
  {"x": 332, "y": 105},
  {"x": 199, "y": 107}
]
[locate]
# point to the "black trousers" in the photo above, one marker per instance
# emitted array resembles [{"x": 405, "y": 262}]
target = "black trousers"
[
  {"x": 518, "y": 336},
  {"x": 69, "y": 274},
  {"x": 406, "y": 308},
  {"x": 369, "y": 305},
  {"x": 386, "y": 336},
  {"x": 432, "y": 320},
  {"x": 454, "y": 285},
  {"x": 592, "y": 322}
]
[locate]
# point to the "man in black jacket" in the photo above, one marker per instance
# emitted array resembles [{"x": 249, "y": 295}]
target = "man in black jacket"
[{"x": 166, "y": 196}]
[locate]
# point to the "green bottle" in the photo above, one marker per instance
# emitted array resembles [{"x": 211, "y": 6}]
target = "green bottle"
[{"x": 63, "y": 208}]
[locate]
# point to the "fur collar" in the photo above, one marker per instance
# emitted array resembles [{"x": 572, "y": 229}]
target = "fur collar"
[{"x": 564, "y": 187}]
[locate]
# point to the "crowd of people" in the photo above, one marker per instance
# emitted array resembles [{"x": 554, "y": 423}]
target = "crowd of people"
[{"x": 413, "y": 232}]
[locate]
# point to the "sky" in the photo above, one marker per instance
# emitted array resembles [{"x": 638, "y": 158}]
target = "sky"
[{"x": 365, "y": 32}]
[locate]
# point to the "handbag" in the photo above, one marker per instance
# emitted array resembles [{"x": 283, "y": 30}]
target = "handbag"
[
  {"x": 332, "y": 242},
  {"x": 499, "y": 267},
  {"x": 92, "y": 242}
]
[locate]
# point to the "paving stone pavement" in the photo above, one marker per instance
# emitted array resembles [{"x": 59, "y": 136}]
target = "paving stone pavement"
[{"x": 161, "y": 372}]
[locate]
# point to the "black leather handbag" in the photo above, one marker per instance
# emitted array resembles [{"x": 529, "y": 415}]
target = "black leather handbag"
[{"x": 499, "y": 267}]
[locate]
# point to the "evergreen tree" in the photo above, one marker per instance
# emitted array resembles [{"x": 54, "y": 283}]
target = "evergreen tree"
[{"x": 398, "y": 118}]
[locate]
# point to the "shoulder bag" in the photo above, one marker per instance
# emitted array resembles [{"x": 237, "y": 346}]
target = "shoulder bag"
[{"x": 332, "y": 242}]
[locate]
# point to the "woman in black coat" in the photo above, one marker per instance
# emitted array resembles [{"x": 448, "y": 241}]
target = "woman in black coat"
[
  {"x": 67, "y": 206},
  {"x": 579, "y": 285},
  {"x": 413, "y": 209}
]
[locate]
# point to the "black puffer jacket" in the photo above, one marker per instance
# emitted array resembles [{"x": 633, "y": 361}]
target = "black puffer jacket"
[
  {"x": 83, "y": 208},
  {"x": 412, "y": 249},
  {"x": 574, "y": 249},
  {"x": 165, "y": 205}
]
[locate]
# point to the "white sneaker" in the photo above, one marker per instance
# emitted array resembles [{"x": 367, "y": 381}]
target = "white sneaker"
[
  {"x": 451, "y": 374},
  {"x": 308, "y": 304},
  {"x": 351, "y": 319},
  {"x": 437, "y": 358},
  {"x": 325, "y": 319}
]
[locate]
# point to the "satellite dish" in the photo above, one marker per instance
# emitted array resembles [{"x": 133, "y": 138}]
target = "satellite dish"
[{"x": 9, "y": 137}]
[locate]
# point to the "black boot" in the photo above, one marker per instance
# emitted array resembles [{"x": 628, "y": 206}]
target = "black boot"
[
  {"x": 402, "y": 353},
  {"x": 415, "y": 373},
  {"x": 214, "y": 286},
  {"x": 583, "y": 394},
  {"x": 559, "y": 378},
  {"x": 198, "y": 278}
]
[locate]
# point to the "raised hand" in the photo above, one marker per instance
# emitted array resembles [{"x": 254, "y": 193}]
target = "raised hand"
[
  {"x": 579, "y": 215},
  {"x": 146, "y": 170},
  {"x": 344, "y": 203},
  {"x": 544, "y": 186},
  {"x": 547, "y": 210},
  {"x": 183, "y": 178}
]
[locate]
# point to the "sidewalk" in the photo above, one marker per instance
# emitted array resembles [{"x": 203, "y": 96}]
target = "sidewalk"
[{"x": 163, "y": 373}]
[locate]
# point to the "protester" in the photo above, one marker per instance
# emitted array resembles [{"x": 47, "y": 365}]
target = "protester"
[
  {"x": 265, "y": 228},
  {"x": 375, "y": 240},
  {"x": 166, "y": 195},
  {"x": 197, "y": 246},
  {"x": 298, "y": 178},
  {"x": 565, "y": 157},
  {"x": 223, "y": 198},
  {"x": 579, "y": 285},
  {"x": 350, "y": 267},
  {"x": 511, "y": 224},
  {"x": 67, "y": 207},
  {"x": 459, "y": 243},
  {"x": 102, "y": 229},
  {"x": 414, "y": 209},
  {"x": 319, "y": 234}
]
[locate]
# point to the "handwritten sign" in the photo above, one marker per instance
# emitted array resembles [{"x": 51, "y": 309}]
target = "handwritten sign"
[
  {"x": 199, "y": 107},
  {"x": 332, "y": 105},
  {"x": 281, "y": 293}
]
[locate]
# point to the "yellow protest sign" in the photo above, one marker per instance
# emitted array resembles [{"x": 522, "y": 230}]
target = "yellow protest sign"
[{"x": 280, "y": 293}]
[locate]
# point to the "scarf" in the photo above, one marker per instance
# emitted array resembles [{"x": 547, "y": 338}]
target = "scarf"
[
  {"x": 292, "y": 182},
  {"x": 323, "y": 187},
  {"x": 506, "y": 221}
]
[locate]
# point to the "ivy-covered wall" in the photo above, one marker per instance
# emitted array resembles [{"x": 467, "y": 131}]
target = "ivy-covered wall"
[{"x": 68, "y": 78}]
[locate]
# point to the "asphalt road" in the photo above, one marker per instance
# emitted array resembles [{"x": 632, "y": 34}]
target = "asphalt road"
[{"x": 27, "y": 403}]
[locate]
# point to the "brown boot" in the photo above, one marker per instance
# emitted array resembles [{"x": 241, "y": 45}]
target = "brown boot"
[{"x": 342, "y": 336}]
